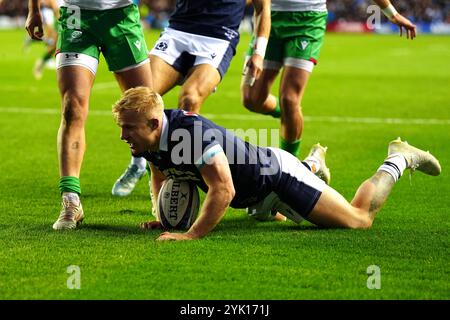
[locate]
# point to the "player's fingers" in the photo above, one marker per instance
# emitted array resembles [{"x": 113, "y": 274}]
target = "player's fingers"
[
  {"x": 30, "y": 32},
  {"x": 413, "y": 33},
  {"x": 249, "y": 80},
  {"x": 165, "y": 237},
  {"x": 258, "y": 73},
  {"x": 40, "y": 32},
  {"x": 35, "y": 35},
  {"x": 254, "y": 74},
  {"x": 401, "y": 31},
  {"x": 150, "y": 225}
]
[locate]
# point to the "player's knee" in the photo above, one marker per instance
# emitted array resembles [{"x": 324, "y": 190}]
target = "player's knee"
[
  {"x": 289, "y": 105},
  {"x": 251, "y": 102},
  {"x": 361, "y": 221},
  {"x": 190, "y": 101},
  {"x": 74, "y": 108},
  {"x": 290, "y": 102}
]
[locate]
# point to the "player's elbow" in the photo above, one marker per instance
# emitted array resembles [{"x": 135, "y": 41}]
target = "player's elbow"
[{"x": 228, "y": 192}]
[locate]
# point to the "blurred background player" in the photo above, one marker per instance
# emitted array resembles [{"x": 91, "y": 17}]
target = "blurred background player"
[
  {"x": 195, "y": 51},
  {"x": 86, "y": 29},
  {"x": 296, "y": 37},
  {"x": 50, "y": 16}
]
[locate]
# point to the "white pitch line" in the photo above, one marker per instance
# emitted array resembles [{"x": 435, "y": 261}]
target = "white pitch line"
[
  {"x": 253, "y": 117},
  {"x": 105, "y": 85},
  {"x": 36, "y": 88},
  {"x": 334, "y": 119}
]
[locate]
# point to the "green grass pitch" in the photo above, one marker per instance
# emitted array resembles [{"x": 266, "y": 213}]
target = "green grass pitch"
[{"x": 360, "y": 83}]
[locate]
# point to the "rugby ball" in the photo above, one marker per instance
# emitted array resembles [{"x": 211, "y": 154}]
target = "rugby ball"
[{"x": 178, "y": 204}]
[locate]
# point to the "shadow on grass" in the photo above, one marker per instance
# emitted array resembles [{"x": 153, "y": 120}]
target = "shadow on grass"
[
  {"x": 247, "y": 223},
  {"x": 230, "y": 225},
  {"x": 114, "y": 229},
  {"x": 91, "y": 228}
]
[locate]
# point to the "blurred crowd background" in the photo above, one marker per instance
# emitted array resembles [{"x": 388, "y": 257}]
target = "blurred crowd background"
[
  {"x": 155, "y": 13},
  {"x": 419, "y": 11}
]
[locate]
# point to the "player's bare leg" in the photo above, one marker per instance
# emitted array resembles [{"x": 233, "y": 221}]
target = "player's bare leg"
[
  {"x": 292, "y": 88},
  {"x": 135, "y": 77},
  {"x": 333, "y": 211},
  {"x": 200, "y": 83},
  {"x": 165, "y": 77},
  {"x": 257, "y": 98},
  {"x": 75, "y": 85}
]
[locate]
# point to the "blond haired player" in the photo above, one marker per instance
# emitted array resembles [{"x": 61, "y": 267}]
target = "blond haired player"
[{"x": 237, "y": 174}]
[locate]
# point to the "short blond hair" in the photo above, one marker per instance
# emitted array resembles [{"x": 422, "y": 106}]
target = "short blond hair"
[{"x": 142, "y": 100}]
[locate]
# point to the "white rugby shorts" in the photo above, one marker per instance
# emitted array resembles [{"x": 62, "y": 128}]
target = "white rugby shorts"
[{"x": 184, "y": 50}]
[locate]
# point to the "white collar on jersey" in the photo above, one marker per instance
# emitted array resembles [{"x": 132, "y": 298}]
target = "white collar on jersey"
[{"x": 163, "y": 141}]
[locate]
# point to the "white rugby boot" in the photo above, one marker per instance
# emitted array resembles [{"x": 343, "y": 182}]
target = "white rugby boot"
[
  {"x": 71, "y": 214},
  {"x": 416, "y": 159},
  {"x": 316, "y": 161}
]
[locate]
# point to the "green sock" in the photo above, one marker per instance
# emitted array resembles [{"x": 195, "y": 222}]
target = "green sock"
[
  {"x": 276, "y": 113},
  {"x": 69, "y": 184},
  {"x": 291, "y": 147}
]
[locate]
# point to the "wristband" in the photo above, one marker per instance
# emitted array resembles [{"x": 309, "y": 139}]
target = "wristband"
[
  {"x": 390, "y": 11},
  {"x": 260, "y": 46}
]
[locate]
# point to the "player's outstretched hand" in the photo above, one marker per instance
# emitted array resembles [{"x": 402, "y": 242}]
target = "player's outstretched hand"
[
  {"x": 174, "y": 236},
  {"x": 151, "y": 225},
  {"x": 402, "y": 22},
  {"x": 34, "y": 20}
]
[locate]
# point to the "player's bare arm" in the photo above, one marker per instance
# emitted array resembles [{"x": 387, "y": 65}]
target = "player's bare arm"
[
  {"x": 220, "y": 193},
  {"x": 157, "y": 180},
  {"x": 397, "y": 18},
  {"x": 34, "y": 20},
  {"x": 262, "y": 31}
]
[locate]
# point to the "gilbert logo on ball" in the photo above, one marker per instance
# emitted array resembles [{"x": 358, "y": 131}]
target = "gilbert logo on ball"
[{"x": 178, "y": 204}]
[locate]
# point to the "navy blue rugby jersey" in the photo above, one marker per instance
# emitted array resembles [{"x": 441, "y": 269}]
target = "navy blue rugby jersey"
[
  {"x": 212, "y": 18},
  {"x": 189, "y": 141}
]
